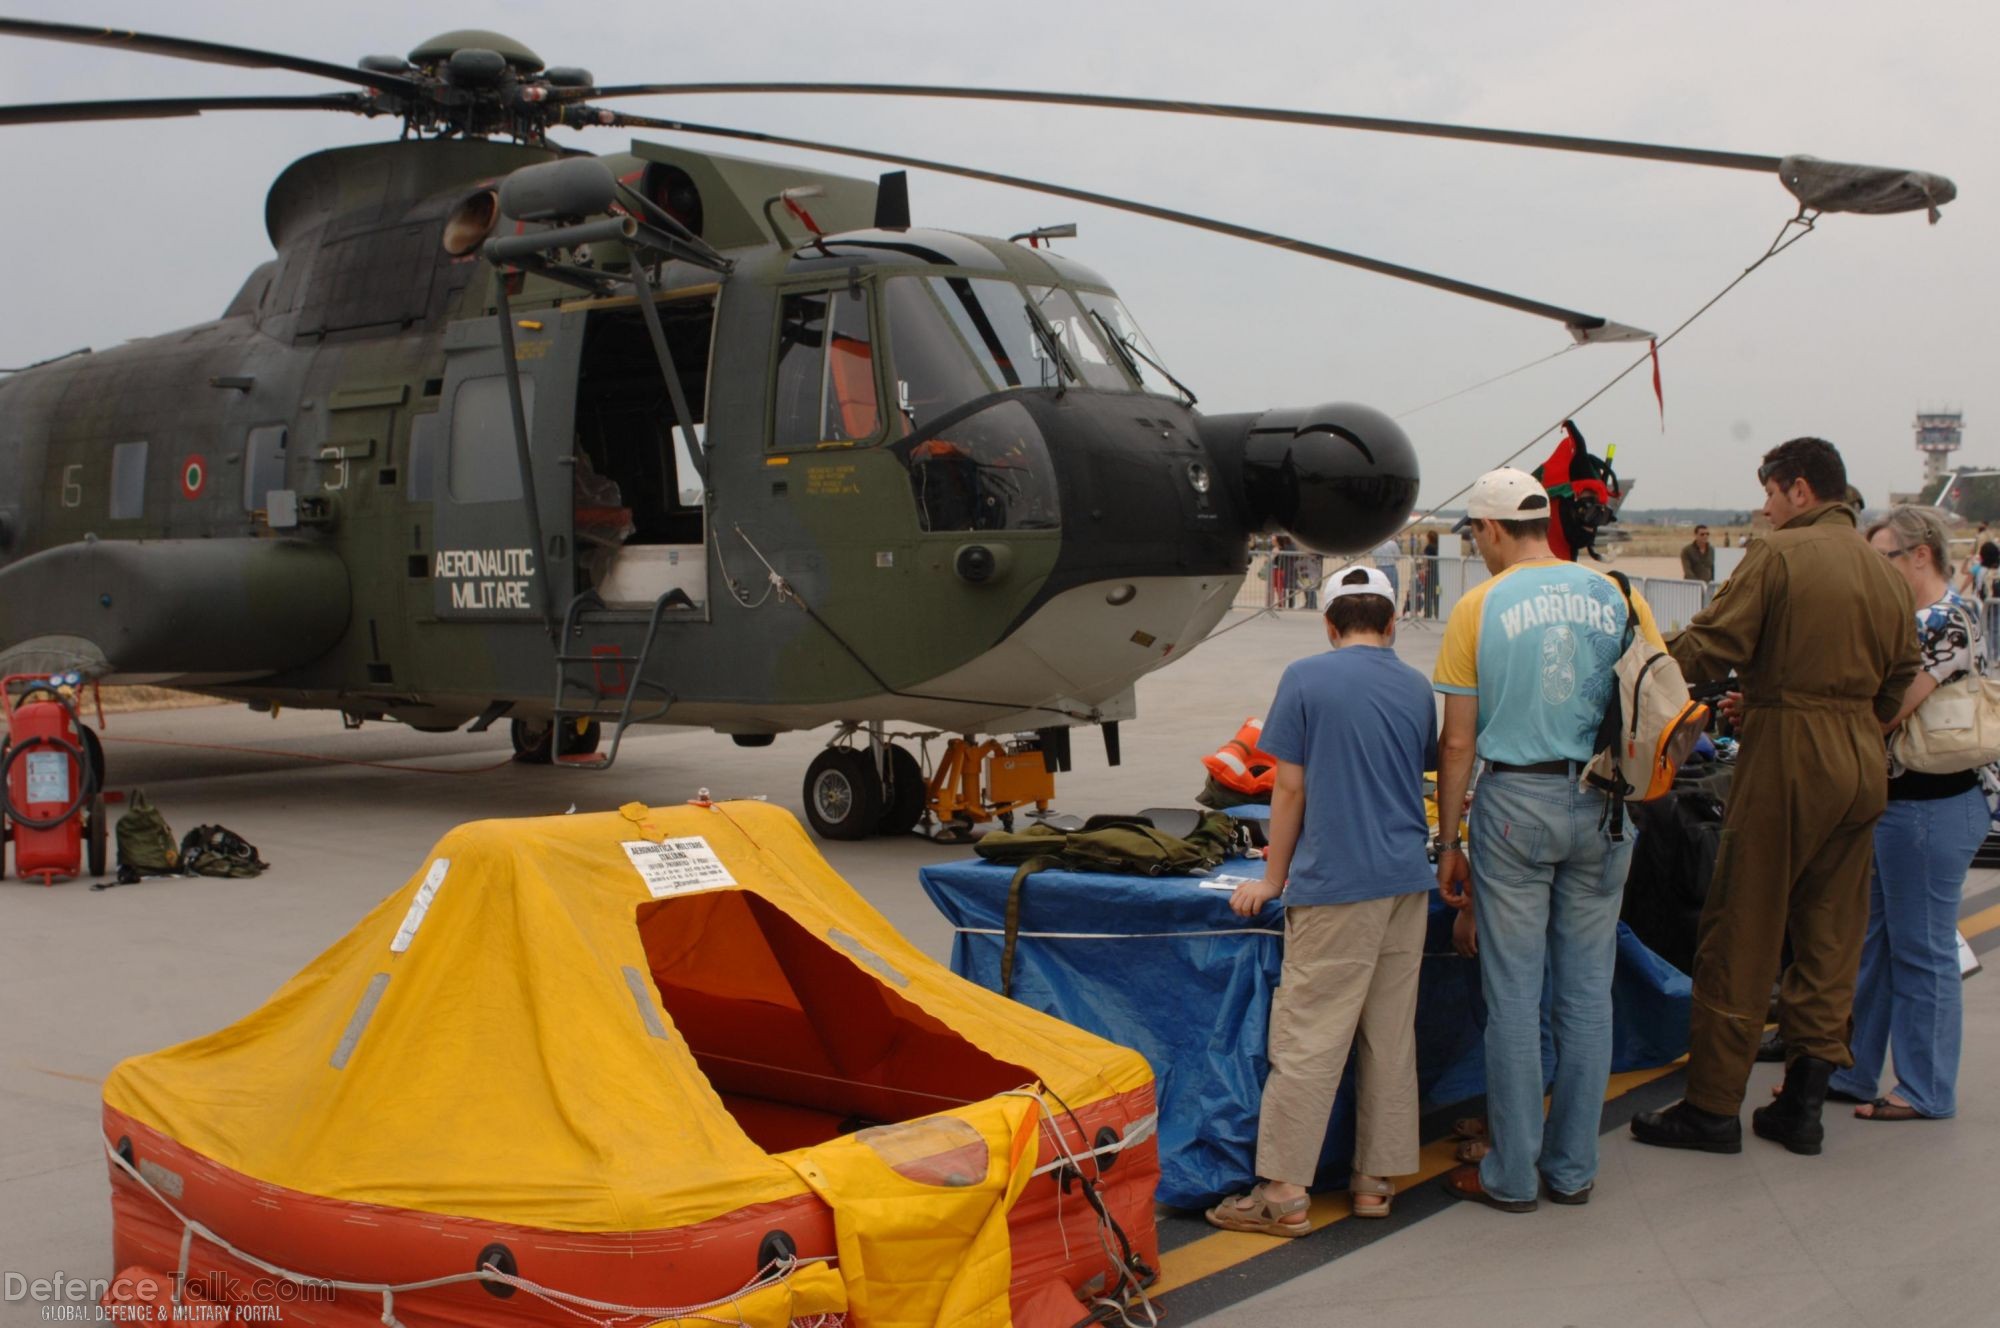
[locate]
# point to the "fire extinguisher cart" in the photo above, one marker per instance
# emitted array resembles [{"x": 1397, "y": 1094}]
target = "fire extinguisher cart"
[{"x": 51, "y": 780}]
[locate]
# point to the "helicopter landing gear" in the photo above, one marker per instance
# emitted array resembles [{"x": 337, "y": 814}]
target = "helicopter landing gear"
[
  {"x": 844, "y": 794},
  {"x": 96, "y": 829},
  {"x": 855, "y": 792},
  {"x": 904, "y": 797},
  {"x": 852, "y": 792},
  {"x": 534, "y": 739}
]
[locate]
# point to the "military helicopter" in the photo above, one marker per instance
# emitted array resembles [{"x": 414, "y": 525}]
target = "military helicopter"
[{"x": 506, "y": 430}]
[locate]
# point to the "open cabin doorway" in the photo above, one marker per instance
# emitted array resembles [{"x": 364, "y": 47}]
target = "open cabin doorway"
[{"x": 639, "y": 510}]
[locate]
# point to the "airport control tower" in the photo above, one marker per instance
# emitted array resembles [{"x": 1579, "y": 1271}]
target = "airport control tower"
[{"x": 1939, "y": 434}]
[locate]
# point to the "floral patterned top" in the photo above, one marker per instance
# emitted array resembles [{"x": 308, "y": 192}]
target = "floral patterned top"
[
  {"x": 1950, "y": 644},
  {"x": 1947, "y": 631}
]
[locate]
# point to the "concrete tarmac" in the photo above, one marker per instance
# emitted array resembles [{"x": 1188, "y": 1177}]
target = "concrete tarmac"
[{"x": 90, "y": 977}]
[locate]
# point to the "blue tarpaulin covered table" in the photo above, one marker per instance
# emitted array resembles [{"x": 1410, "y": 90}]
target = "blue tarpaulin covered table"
[{"x": 1161, "y": 965}]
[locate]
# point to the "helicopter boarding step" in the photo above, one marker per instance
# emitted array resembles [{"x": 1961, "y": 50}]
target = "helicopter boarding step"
[{"x": 613, "y": 675}]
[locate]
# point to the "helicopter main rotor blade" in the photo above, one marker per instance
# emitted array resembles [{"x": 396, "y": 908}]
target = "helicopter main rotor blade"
[
  {"x": 1582, "y": 326},
  {"x": 213, "y": 53},
  {"x": 1739, "y": 161},
  {"x": 163, "y": 108}
]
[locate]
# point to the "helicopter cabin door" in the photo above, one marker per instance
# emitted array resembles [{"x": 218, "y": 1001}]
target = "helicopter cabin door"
[
  {"x": 638, "y": 500},
  {"x": 485, "y": 565}
]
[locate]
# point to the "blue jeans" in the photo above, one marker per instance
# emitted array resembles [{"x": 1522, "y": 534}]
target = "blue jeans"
[
  {"x": 1548, "y": 882},
  {"x": 1909, "y": 993}
]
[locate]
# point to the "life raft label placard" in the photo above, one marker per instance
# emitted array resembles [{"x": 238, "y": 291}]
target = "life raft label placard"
[{"x": 677, "y": 866}]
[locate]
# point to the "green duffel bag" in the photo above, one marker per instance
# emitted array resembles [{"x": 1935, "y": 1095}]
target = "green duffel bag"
[
  {"x": 146, "y": 842},
  {"x": 1118, "y": 844},
  {"x": 1105, "y": 844}
]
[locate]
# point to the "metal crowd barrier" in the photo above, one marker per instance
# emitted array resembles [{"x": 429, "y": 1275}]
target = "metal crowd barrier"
[
  {"x": 1429, "y": 588},
  {"x": 1674, "y": 602},
  {"x": 1291, "y": 579}
]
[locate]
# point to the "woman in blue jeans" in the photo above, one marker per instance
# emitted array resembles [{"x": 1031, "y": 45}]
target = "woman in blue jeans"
[{"x": 1908, "y": 995}]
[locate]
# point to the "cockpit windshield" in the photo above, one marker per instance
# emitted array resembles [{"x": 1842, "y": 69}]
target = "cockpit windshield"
[
  {"x": 957, "y": 338},
  {"x": 1116, "y": 322},
  {"x": 1080, "y": 337}
]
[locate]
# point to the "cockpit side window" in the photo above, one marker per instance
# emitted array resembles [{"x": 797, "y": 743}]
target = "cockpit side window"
[
  {"x": 987, "y": 471},
  {"x": 825, "y": 389},
  {"x": 851, "y": 411}
]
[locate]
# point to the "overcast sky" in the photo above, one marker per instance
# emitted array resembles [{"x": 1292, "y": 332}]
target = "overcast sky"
[{"x": 124, "y": 230}]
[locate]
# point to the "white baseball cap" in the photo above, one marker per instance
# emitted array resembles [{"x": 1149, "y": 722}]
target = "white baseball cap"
[
  {"x": 1505, "y": 495},
  {"x": 1359, "y": 580}
]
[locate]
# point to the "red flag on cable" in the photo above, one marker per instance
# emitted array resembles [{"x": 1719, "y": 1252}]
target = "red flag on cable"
[{"x": 1654, "y": 349}]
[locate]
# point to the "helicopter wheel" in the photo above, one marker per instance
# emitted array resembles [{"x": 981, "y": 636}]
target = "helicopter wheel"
[
  {"x": 580, "y": 741},
  {"x": 904, "y": 797},
  {"x": 96, "y": 836},
  {"x": 843, "y": 794},
  {"x": 533, "y": 740}
]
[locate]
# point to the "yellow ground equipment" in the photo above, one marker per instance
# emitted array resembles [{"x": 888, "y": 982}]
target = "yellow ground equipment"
[{"x": 976, "y": 782}]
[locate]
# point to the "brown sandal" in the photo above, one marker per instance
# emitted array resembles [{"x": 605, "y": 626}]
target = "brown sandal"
[
  {"x": 1264, "y": 1215},
  {"x": 1471, "y": 1150},
  {"x": 1469, "y": 1127},
  {"x": 1463, "y": 1183},
  {"x": 1358, "y": 1184},
  {"x": 1884, "y": 1110}
]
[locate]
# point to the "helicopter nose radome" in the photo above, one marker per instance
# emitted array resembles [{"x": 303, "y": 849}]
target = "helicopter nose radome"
[{"x": 1338, "y": 478}]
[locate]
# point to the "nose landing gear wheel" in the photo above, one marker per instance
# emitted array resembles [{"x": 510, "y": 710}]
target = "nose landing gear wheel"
[
  {"x": 535, "y": 744},
  {"x": 843, "y": 794},
  {"x": 532, "y": 740}
]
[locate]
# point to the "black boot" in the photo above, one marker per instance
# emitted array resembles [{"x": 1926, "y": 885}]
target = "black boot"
[
  {"x": 1772, "y": 1048},
  {"x": 1686, "y": 1126},
  {"x": 1792, "y": 1119}
]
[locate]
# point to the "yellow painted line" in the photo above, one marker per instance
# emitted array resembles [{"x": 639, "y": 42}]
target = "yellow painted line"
[
  {"x": 1985, "y": 920},
  {"x": 1621, "y": 1084},
  {"x": 1225, "y": 1249}
]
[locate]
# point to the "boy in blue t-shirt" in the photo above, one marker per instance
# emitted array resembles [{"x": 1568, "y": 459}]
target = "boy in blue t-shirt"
[{"x": 1353, "y": 731}]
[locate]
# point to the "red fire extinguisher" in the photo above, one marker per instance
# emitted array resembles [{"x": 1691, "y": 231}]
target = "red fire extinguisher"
[{"x": 50, "y": 779}]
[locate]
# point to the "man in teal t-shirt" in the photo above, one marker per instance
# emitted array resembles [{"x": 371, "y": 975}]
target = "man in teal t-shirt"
[{"x": 1526, "y": 671}]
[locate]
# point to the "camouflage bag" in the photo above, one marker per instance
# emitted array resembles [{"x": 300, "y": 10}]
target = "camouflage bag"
[
  {"x": 145, "y": 841},
  {"x": 215, "y": 850}
]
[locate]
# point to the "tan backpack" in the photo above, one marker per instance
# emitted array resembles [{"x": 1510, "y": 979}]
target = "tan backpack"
[{"x": 1649, "y": 727}]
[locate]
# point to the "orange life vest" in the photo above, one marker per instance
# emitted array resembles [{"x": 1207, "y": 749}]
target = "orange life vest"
[{"x": 1239, "y": 765}]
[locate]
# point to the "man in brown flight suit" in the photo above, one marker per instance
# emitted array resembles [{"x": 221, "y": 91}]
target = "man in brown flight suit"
[{"x": 1820, "y": 628}]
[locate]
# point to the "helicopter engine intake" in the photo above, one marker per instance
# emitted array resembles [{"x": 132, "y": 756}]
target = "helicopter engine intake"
[{"x": 1338, "y": 478}]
